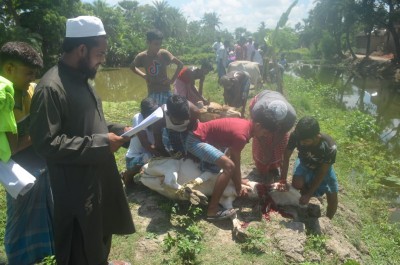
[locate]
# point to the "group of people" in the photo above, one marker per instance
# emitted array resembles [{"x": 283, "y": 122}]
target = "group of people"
[
  {"x": 57, "y": 131},
  {"x": 217, "y": 144},
  {"x": 241, "y": 51}
]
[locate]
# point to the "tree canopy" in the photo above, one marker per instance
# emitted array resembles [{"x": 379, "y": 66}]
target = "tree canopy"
[{"x": 330, "y": 30}]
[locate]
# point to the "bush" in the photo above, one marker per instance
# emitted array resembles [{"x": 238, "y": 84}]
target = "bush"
[
  {"x": 196, "y": 59},
  {"x": 298, "y": 54}
]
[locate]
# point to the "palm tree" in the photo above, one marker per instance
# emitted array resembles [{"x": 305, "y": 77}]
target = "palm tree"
[
  {"x": 210, "y": 22},
  {"x": 160, "y": 17}
]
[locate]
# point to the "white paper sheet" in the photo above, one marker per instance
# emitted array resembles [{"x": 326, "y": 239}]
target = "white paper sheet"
[
  {"x": 152, "y": 118},
  {"x": 15, "y": 179}
]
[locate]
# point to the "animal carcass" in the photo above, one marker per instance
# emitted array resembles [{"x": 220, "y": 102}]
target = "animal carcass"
[
  {"x": 215, "y": 111},
  {"x": 182, "y": 179},
  {"x": 250, "y": 67}
]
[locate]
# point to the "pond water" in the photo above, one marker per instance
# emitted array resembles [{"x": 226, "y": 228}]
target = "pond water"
[
  {"x": 118, "y": 85},
  {"x": 377, "y": 97},
  {"x": 380, "y": 98}
]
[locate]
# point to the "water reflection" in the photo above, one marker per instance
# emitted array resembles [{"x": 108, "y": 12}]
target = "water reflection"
[
  {"x": 118, "y": 85},
  {"x": 378, "y": 97}
]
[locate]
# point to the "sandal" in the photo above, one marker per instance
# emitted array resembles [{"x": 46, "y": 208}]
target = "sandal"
[{"x": 222, "y": 215}]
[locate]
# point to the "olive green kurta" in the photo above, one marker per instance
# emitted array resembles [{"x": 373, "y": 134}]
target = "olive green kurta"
[{"x": 68, "y": 128}]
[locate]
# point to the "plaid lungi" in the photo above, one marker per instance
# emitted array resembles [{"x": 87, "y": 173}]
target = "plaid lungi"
[
  {"x": 29, "y": 228},
  {"x": 160, "y": 97},
  {"x": 268, "y": 151}
]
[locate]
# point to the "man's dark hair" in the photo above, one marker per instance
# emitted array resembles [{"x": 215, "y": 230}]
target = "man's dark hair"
[
  {"x": 21, "y": 52},
  {"x": 90, "y": 42},
  {"x": 154, "y": 35},
  {"x": 178, "y": 107},
  {"x": 226, "y": 44},
  {"x": 307, "y": 128},
  {"x": 148, "y": 106},
  {"x": 206, "y": 65},
  {"x": 266, "y": 118}
]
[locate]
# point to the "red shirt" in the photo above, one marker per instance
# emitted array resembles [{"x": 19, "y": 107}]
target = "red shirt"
[
  {"x": 226, "y": 132},
  {"x": 185, "y": 75}
]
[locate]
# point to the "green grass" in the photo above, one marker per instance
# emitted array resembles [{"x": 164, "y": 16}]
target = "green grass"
[{"x": 362, "y": 165}]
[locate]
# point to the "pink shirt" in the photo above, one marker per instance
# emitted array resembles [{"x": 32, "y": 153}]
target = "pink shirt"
[{"x": 226, "y": 132}]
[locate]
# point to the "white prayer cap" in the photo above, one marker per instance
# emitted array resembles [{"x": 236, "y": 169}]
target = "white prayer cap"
[
  {"x": 84, "y": 26},
  {"x": 279, "y": 109}
]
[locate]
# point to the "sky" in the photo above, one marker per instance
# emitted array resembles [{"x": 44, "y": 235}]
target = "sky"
[{"x": 238, "y": 13}]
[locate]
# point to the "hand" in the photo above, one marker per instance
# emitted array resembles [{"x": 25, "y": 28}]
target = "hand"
[
  {"x": 244, "y": 192},
  {"x": 305, "y": 199},
  {"x": 116, "y": 141},
  {"x": 283, "y": 185},
  {"x": 154, "y": 151},
  {"x": 127, "y": 128},
  {"x": 245, "y": 181}
]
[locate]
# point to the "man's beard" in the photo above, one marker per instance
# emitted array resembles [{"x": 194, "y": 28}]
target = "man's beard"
[{"x": 85, "y": 68}]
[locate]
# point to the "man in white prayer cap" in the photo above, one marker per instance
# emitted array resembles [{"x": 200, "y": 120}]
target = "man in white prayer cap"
[{"x": 68, "y": 128}]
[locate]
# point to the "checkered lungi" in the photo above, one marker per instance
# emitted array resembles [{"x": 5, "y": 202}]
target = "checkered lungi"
[
  {"x": 204, "y": 151},
  {"x": 160, "y": 97},
  {"x": 268, "y": 151}
]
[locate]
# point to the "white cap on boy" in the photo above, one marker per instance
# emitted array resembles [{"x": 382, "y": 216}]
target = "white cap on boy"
[
  {"x": 279, "y": 109},
  {"x": 84, "y": 26}
]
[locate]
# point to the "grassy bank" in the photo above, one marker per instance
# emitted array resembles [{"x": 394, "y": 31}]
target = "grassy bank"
[{"x": 362, "y": 166}]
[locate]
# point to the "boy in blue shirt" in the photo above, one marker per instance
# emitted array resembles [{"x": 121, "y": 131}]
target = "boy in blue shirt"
[{"x": 313, "y": 170}]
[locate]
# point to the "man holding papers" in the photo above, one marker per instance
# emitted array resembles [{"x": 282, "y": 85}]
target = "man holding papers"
[{"x": 69, "y": 129}]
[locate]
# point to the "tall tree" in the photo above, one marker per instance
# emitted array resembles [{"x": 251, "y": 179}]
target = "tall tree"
[
  {"x": 40, "y": 23},
  {"x": 211, "y": 23},
  {"x": 241, "y": 32},
  {"x": 260, "y": 33},
  {"x": 161, "y": 20},
  {"x": 271, "y": 40},
  {"x": 112, "y": 19},
  {"x": 350, "y": 15},
  {"x": 388, "y": 15}
]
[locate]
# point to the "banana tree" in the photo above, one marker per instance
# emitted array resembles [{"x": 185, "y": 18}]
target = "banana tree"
[{"x": 271, "y": 42}]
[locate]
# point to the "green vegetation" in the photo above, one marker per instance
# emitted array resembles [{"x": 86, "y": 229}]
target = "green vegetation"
[
  {"x": 363, "y": 166},
  {"x": 316, "y": 243},
  {"x": 256, "y": 241},
  {"x": 184, "y": 243},
  {"x": 329, "y": 32}
]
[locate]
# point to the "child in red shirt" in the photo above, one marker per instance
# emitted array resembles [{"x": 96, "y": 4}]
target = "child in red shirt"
[{"x": 233, "y": 133}]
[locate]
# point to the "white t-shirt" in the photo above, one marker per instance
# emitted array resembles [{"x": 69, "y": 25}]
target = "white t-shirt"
[
  {"x": 135, "y": 147},
  {"x": 222, "y": 54},
  {"x": 169, "y": 125},
  {"x": 250, "y": 49},
  {"x": 216, "y": 46},
  {"x": 258, "y": 57}
]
